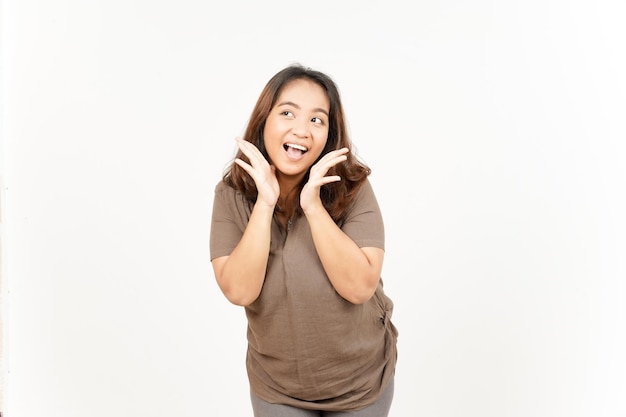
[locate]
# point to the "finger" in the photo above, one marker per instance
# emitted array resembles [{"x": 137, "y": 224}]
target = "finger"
[
  {"x": 330, "y": 178},
  {"x": 336, "y": 156},
  {"x": 251, "y": 151},
  {"x": 318, "y": 182},
  {"x": 322, "y": 167},
  {"x": 338, "y": 152},
  {"x": 245, "y": 146},
  {"x": 246, "y": 167}
]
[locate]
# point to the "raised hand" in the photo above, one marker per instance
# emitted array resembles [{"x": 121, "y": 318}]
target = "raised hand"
[
  {"x": 263, "y": 174},
  {"x": 310, "y": 194}
]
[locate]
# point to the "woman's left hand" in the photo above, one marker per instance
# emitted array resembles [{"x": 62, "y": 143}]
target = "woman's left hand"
[{"x": 310, "y": 194}]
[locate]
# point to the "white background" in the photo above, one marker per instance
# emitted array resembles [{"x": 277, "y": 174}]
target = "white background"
[{"x": 497, "y": 138}]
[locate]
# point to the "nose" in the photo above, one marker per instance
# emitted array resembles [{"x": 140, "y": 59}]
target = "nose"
[{"x": 300, "y": 128}]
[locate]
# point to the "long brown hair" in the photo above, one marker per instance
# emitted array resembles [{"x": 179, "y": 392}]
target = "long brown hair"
[{"x": 336, "y": 196}]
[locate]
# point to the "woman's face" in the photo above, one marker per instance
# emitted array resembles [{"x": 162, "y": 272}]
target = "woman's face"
[{"x": 296, "y": 128}]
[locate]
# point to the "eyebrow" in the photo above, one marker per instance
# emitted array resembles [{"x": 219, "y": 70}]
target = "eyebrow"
[{"x": 291, "y": 103}]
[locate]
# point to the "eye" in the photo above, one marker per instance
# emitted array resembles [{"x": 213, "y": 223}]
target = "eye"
[
  {"x": 317, "y": 120},
  {"x": 286, "y": 113}
]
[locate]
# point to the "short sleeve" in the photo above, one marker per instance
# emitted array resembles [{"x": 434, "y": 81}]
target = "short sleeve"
[
  {"x": 364, "y": 222},
  {"x": 228, "y": 221}
]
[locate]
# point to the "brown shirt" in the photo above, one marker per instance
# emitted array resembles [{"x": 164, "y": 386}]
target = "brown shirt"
[{"x": 307, "y": 346}]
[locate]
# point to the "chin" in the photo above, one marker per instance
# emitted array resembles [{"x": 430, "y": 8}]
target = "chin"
[{"x": 292, "y": 172}]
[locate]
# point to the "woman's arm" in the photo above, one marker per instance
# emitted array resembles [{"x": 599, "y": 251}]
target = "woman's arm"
[
  {"x": 353, "y": 271},
  {"x": 240, "y": 275}
]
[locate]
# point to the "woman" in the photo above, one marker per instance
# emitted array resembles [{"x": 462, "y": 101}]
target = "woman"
[{"x": 297, "y": 238}]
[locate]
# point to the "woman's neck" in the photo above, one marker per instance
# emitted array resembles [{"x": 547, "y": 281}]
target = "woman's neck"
[
  {"x": 288, "y": 199},
  {"x": 289, "y": 187}
]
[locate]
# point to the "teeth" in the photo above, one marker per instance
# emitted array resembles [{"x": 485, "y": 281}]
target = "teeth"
[{"x": 293, "y": 145}]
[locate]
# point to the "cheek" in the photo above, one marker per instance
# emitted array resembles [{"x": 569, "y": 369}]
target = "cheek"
[
  {"x": 271, "y": 136},
  {"x": 272, "y": 125},
  {"x": 321, "y": 137},
  {"x": 321, "y": 142},
  {"x": 267, "y": 129},
  {"x": 319, "y": 149}
]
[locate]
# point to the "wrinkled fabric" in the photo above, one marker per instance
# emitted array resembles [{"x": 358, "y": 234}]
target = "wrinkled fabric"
[{"x": 307, "y": 346}]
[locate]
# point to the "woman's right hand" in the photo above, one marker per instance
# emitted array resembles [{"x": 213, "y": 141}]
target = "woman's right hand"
[{"x": 263, "y": 174}]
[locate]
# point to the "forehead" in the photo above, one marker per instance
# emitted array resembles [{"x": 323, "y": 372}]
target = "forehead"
[{"x": 304, "y": 93}]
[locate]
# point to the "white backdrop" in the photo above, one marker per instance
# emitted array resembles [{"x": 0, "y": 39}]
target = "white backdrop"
[{"x": 496, "y": 135}]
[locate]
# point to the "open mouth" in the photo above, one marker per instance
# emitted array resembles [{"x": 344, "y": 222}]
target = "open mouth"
[{"x": 294, "y": 151}]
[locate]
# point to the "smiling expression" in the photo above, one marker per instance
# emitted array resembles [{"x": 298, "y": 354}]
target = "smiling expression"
[{"x": 296, "y": 128}]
